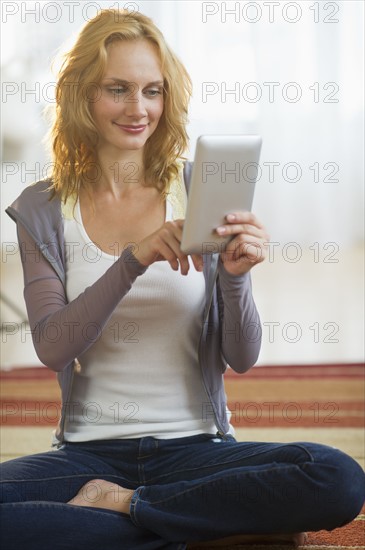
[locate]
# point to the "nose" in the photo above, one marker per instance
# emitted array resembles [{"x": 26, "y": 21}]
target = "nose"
[{"x": 135, "y": 104}]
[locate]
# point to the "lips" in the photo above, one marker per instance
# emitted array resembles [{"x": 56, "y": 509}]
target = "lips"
[{"x": 131, "y": 128}]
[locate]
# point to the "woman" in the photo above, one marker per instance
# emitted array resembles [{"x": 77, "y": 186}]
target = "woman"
[{"x": 139, "y": 332}]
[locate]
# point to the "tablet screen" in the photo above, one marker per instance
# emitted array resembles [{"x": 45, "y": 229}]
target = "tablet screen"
[{"x": 222, "y": 181}]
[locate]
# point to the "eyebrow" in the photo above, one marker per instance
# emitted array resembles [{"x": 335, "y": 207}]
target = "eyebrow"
[{"x": 121, "y": 81}]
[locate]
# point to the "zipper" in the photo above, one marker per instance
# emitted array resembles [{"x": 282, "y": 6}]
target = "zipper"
[
  {"x": 213, "y": 272},
  {"x": 216, "y": 421}
]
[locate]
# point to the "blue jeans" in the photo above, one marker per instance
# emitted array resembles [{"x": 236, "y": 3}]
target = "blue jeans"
[{"x": 187, "y": 489}]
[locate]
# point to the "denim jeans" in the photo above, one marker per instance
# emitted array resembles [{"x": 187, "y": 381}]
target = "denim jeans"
[{"x": 186, "y": 489}]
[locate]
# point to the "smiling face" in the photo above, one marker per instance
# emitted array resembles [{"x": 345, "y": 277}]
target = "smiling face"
[{"x": 129, "y": 104}]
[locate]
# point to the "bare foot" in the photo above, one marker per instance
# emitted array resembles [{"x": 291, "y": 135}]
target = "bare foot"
[{"x": 99, "y": 493}]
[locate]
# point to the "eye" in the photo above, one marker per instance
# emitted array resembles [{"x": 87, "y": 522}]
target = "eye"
[
  {"x": 153, "y": 93},
  {"x": 117, "y": 91}
]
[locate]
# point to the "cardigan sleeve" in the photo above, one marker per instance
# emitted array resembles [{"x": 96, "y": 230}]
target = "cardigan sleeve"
[
  {"x": 240, "y": 322},
  {"x": 56, "y": 325}
]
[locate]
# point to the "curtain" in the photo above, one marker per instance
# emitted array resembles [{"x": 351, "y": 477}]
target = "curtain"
[{"x": 290, "y": 71}]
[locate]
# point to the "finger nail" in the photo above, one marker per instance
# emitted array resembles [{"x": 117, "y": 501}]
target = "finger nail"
[
  {"x": 221, "y": 230},
  {"x": 231, "y": 217}
]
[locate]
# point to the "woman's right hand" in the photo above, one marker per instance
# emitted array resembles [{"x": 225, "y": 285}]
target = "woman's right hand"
[{"x": 164, "y": 244}]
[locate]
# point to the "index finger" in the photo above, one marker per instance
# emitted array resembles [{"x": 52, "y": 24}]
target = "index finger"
[
  {"x": 197, "y": 261},
  {"x": 244, "y": 217}
]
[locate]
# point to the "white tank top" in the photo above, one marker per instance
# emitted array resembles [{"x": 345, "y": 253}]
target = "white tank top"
[{"x": 142, "y": 376}]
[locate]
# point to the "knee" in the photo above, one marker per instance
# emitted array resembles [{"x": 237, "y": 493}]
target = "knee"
[
  {"x": 351, "y": 488},
  {"x": 341, "y": 486}
]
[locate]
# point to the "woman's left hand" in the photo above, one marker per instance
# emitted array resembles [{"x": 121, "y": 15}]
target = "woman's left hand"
[{"x": 248, "y": 247}]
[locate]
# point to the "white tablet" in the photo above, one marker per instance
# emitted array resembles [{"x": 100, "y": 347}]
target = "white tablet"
[{"x": 222, "y": 181}]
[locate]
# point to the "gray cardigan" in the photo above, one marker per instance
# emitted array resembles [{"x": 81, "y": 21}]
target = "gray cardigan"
[{"x": 231, "y": 330}]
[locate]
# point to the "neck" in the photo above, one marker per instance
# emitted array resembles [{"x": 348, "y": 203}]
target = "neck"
[{"x": 120, "y": 173}]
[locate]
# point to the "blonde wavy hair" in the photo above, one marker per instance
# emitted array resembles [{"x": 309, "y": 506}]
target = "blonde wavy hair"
[{"x": 74, "y": 136}]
